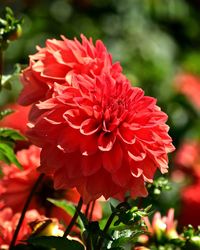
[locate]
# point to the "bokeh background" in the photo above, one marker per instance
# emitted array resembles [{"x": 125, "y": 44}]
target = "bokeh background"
[{"x": 158, "y": 45}]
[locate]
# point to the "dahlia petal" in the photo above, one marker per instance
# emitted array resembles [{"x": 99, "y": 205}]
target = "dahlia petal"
[
  {"x": 68, "y": 140},
  {"x": 106, "y": 141},
  {"x": 43, "y": 130},
  {"x": 67, "y": 96},
  {"x": 87, "y": 196},
  {"x": 127, "y": 134},
  {"x": 89, "y": 45},
  {"x": 90, "y": 164},
  {"x": 89, "y": 127},
  {"x": 122, "y": 176},
  {"x": 32, "y": 90},
  {"x": 73, "y": 118},
  {"x": 48, "y": 104},
  {"x": 55, "y": 45},
  {"x": 85, "y": 104},
  {"x": 62, "y": 180},
  {"x": 145, "y": 103},
  {"x": 71, "y": 164},
  {"x": 88, "y": 144},
  {"x": 146, "y": 168},
  {"x": 60, "y": 88},
  {"x": 55, "y": 116},
  {"x": 101, "y": 180},
  {"x": 38, "y": 66},
  {"x": 169, "y": 148},
  {"x": 135, "y": 94},
  {"x": 136, "y": 172},
  {"x": 55, "y": 71},
  {"x": 112, "y": 160},
  {"x": 138, "y": 188},
  {"x": 137, "y": 153},
  {"x": 162, "y": 163},
  {"x": 50, "y": 156},
  {"x": 144, "y": 134}
]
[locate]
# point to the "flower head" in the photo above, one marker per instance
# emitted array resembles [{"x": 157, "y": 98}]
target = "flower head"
[
  {"x": 97, "y": 132},
  {"x": 8, "y": 223},
  {"x": 162, "y": 226}
]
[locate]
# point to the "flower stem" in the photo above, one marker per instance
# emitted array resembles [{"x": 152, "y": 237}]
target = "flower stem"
[
  {"x": 108, "y": 223},
  {"x": 1, "y": 65},
  {"x": 25, "y": 208},
  {"x": 74, "y": 218},
  {"x": 87, "y": 209},
  {"x": 91, "y": 211}
]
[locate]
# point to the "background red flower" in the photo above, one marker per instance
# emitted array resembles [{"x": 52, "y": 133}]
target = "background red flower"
[
  {"x": 188, "y": 158},
  {"x": 190, "y": 205},
  {"x": 16, "y": 185},
  {"x": 18, "y": 119},
  {"x": 8, "y": 223},
  {"x": 189, "y": 85}
]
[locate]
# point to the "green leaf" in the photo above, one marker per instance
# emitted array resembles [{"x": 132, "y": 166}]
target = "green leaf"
[
  {"x": 5, "y": 112},
  {"x": 8, "y": 80},
  {"x": 121, "y": 238},
  {"x": 58, "y": 243},
  {"x": 112, "y": 208},
  {"x": 5, "y": 81},
  {"x": 7, "y": 155},
  {"x": 28, "y": 247},
  {"x": 68, "y": 208},
  {"x": 11, "y": 134}
]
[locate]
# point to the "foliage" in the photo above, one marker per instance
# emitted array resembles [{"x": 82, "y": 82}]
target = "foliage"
[
  {"x": 7, "y": 140},
  {"x": 10, "y": 28},
  {"x": 160, "y": 184}
]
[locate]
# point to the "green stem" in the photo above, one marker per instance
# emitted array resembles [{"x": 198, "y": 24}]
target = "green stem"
[
  {"x": 108, "y": 223},
  {"x": 87, "y": 209},
  {"x": 25, "y": 208},
  {"x": 91, "y": 211},
  {"x": 1, "y": 66},
  {"x": 74, "y": 218}
]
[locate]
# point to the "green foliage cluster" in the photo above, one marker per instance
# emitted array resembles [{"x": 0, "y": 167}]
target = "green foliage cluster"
[{"x": 10, "y": 28}]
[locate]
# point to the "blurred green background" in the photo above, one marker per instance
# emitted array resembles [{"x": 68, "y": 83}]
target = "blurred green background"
[{"x": 155, "y": 40}]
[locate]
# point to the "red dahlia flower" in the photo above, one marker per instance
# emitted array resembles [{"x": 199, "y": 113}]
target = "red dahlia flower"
[
  {"x": 97, "y": 132},
  {"x": 8, "y": 223},
  {"x": 16, "y": 185}
]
